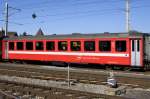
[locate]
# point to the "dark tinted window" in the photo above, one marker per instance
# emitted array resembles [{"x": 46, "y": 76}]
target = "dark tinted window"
[
  {"x": 50, "y": 45},
  {"x": 62, "y": 45},
  {"x": 19, "y": 45},
  {"x": 121, "y": 46},
  {"x": 29, "y": 45},
  {"x": 132, "y": 45},
  {"x": 89, "y": 45},
  {"x": 75, "y": 45},
  {"x": 39, "y": 46},
  {"x": 105, "y": 45},
  {"x": 11, "y": 45},
  {"x": 138, "y": 45}
]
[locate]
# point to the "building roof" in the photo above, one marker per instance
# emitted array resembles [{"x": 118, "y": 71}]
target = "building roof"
[
  {"x": 40, "y": 32},
  {"x": 10, "y": 34}
]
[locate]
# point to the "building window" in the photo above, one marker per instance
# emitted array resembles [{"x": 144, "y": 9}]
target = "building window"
[
  {"x": 105, "y": 45},
  {"x": 11, "y": 45},
  {"x": 75, "y": 45},
  {"x": 29, "y": 45},
  {"x": 19, "y": 45},
  {"x": 120, "y": 46},
  {"x": 89, "y": 45},
  {"x": 62, "y": 45},
  {"x": 39, "y": 46},
  {"x": 50, "y": 45}
]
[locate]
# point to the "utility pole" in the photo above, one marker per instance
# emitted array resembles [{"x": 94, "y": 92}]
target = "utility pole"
[
  {"x": 6, "y": 19},
  {"x": 6, "y": 29},
  {"x": 128, "y": 16}
]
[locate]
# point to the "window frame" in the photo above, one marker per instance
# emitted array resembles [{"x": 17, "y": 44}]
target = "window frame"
[
  {"x": 36, "y": 46},
  {"x": 133, "y": 45},
  {"x": 13, "y": 45},
  {"x": 138, "y": 45},
  {"x": 22, "y": 45},
  {"x": 32, "y": 45},
  {"x": 89, "y": 41},
  {"x": 63, "y": 41},
  {"x": 116, "y": 46},
  {"x": 104, "y": 41},
  {"x": 46, "y": 45},
  {"x": 71, "y": 41}
]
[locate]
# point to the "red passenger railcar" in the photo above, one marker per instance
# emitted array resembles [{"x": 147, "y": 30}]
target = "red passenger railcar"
[{"x": 122, "y": 49}]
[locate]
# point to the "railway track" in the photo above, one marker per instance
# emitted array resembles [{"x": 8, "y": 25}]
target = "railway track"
[
  {"x": 76, "y": 76},
  {"x": 62, "y": 76},
  {"x": 26, "y": 91},
  {"x": 21, "y": 91}
]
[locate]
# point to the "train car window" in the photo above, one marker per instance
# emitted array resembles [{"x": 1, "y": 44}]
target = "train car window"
[
  {"x": 132, "y": 45},
  {"x": 105, "y": 45},
  {"x": 62, "y": 45},
  {"x": 19, "y": 45},
  {"x": 11, "y": 45},
  {"x": 138, "y": 45},
  {"x": 39, "y": 46},
  {"x": 29, "y": 45},
  {"x": 120, "y": 46},
  {"x": 89, "y": 45},
  {"x": 75, "y": 45},
  {"x": 50, "y": 45}
]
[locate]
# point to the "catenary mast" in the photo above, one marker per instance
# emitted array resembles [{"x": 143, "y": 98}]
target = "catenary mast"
[
  {"x": 6, "y": 19},
  {"x": 128, "y": 16}
]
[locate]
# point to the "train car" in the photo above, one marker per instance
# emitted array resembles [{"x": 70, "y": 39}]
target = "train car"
[{"x": 115, "y": 49}]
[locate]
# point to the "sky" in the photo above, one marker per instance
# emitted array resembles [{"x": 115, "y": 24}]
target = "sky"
[{"x": 75, "y": 16}]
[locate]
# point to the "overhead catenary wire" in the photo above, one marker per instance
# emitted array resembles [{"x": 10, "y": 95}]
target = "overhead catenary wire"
[
  {"x": 60, "y": 13},
  {"x": 38, "y": 8},
  {"x": 71, "y": 5},
  {"x": 78, "y": 13},
  {"x": 11, "y": 22},
  {"x": 68, "y": 13},
  {"x": 95, "y": 2},
  {"x": 74, "y": 14},
  {"x": 83, "y": 12},
  {"x": 77, "y": 17},
  {"x": 45, "y": 4},
  {"x": 75, "y": 3}
]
